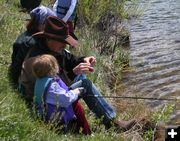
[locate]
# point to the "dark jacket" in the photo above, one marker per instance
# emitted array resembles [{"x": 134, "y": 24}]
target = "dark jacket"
[
  {"x": 66, "y": 61},
  {"x": 20, "y": 48}
]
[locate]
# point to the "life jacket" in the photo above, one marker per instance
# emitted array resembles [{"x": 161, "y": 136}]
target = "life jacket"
[
  {"x": 46, "y": 110},
  {"x": 61, "y": 7},
  {"x": 39, "y": 93}
]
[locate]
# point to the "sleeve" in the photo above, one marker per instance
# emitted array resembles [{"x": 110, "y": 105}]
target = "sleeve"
[
  {"x": 70, "y": 11},
  {"x": 71, "y": 61},
  {"x": 59, "y": 96},
  {"x": 55, "y": 6}
]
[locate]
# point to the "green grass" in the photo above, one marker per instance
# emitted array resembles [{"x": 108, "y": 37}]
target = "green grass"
[{"x": 17, "y": 121}]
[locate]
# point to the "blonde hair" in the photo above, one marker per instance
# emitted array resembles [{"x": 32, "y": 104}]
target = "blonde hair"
[{"x": 45, "y": 65}]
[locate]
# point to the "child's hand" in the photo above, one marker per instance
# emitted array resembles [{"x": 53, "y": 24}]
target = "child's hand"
[
  {"x": 82, "y": 90},
  {"x": 77, "y": 91}
]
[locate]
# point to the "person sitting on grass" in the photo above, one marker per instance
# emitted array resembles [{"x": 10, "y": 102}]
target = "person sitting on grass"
[{"x": 53, "y": 99}]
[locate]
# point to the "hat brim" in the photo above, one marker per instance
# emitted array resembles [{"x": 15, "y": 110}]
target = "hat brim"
[
  {"x": 73, "y": 35},
  {"x": 68, "y": 40}
]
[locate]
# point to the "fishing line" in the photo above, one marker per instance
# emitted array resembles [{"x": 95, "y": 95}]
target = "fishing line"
[{"x": 129, "y": 97}]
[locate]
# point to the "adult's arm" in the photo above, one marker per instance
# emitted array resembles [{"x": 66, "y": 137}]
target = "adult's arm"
[
  {"x": 85, "y": 67},
  {"x": 78, "y": 65},
  {"x": 70, "y": 62}
]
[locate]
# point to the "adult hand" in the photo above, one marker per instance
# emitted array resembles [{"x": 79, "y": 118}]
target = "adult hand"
[
  {"x": 90, "y": 60},
  {"x": 83, "y": 68}
]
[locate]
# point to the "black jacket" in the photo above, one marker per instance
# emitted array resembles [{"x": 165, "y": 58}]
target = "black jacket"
[{"x": 20, "y": 48}]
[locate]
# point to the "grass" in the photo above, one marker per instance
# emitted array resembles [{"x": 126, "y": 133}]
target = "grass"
[{"x": 17, "y": 121}]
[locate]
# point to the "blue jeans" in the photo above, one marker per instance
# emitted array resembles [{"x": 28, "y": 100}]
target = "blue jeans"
[
  {"x": 80, "y": 77},
  {"x": 95, "y": 101}
]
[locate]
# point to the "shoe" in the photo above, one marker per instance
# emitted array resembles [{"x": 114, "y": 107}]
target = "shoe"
[{"x": 124, "y": 125}]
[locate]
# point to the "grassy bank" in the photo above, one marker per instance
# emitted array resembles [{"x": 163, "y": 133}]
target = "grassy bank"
[{"x": 16, "y": 120}]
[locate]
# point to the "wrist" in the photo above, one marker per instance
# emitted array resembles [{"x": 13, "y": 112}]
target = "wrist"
[{"x": 75, "y": 71}]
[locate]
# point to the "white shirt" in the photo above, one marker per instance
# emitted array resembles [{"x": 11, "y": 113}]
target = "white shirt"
[{"x": 69, "y": 12}]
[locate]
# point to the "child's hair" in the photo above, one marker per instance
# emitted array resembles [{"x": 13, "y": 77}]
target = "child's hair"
[{"x": 45, "y": 65}]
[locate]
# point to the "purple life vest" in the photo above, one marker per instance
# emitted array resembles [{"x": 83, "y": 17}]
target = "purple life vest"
[{"x": 52, "y": 113}]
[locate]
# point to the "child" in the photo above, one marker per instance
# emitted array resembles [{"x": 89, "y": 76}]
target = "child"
[
  {"x": 66, "y": 10},
  {"x": 53, "y": 99}
]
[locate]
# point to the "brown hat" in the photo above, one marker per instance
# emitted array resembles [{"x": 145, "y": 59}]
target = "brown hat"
[{"x": 56, "y": 29}]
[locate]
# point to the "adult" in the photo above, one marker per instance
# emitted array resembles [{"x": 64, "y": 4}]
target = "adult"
[{"x": 53, "y": 41}]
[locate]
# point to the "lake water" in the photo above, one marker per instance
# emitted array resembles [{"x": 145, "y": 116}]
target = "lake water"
[{"x": 155, "y": 52}]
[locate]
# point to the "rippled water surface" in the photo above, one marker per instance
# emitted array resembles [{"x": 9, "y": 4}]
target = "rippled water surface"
[{"x": 155, "y": 52}]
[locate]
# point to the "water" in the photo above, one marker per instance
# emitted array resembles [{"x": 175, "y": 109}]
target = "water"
[{"x": 155, "y": 52}]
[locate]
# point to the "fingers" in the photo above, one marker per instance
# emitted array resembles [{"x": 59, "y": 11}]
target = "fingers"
[
  {"x": 83, "y": 68},
  {"x": 91, "y": 60},
  {"x": 84, "y": 65}
]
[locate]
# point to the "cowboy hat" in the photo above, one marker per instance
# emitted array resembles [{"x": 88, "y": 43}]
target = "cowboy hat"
[{"x": 56, "y": 29}]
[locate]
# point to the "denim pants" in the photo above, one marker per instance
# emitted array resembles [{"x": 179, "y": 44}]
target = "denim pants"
[{"x": 95, "y": 101}]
